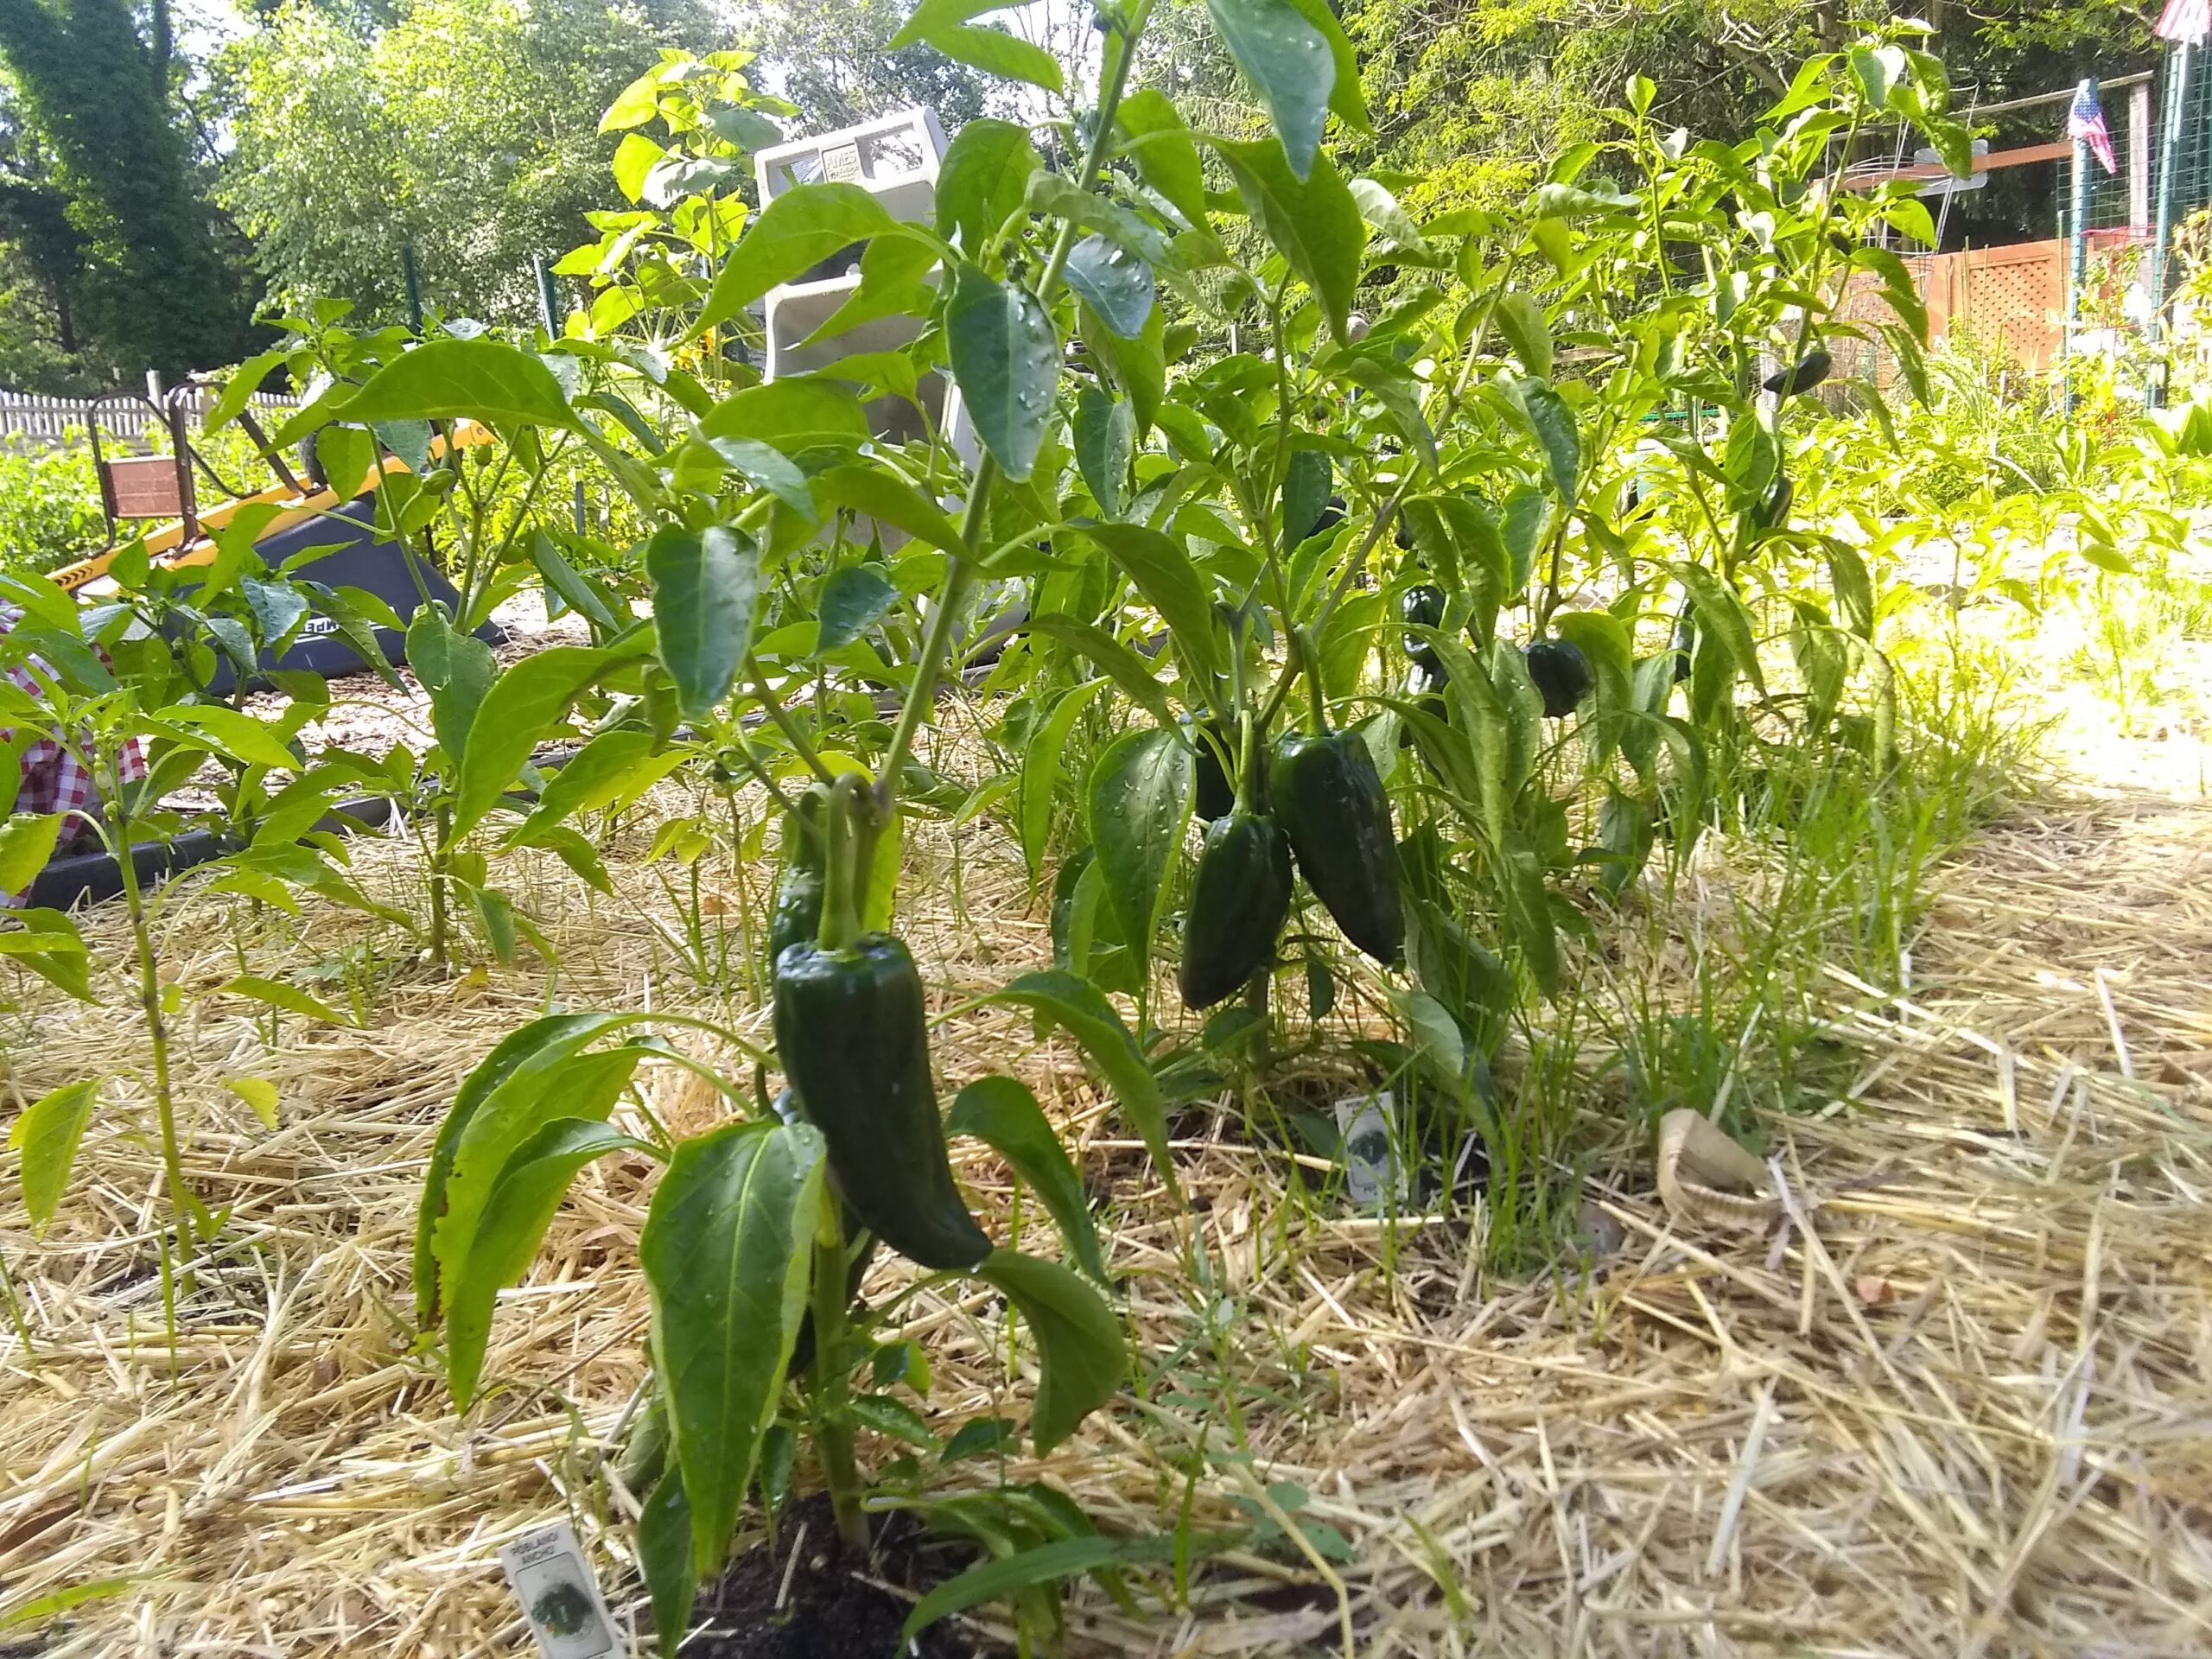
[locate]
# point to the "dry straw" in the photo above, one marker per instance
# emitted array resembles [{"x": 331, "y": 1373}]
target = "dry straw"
[{"x": 1956, "y": 1400}]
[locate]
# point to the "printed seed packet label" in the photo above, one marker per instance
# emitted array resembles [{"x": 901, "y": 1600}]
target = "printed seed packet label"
[
  {"x": 1373, "y": 1174},
  {"x": 559, "y": 1594}
]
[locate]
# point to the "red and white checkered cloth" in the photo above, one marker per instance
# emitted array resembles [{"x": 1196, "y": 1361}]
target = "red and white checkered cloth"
[{"x": 52, "y": 777}]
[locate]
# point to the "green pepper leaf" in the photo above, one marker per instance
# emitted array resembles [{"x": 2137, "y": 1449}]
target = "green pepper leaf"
[
  {"x": 1076, "y": 1005},
  {"x": 1002, "y": 1112},
  {"x": 1139, "y": 800},
  {"x": 26, "y": 842},
  {"x": 1114, "y": 282},
  {"x": 520, "y": 1208},
  {"x": 1105, "y": 436},
  {"x": 1553, "y": 424},
  {"x": 1721, "y": 612},
  {"x": 706, "y": 583},
  {"x": 1312, "y": 220},
  {"x": 1082, "y": 1358},
  {"x": 983, "y": 179},
  {"x": 456, "y": 669},
  {"x": 1165, "y": 157},
  {"x": 1002, "y": 1577},
  {"x": 796, "y": 229},
  {"x": 792, "y": 414},
  {"x": 483, "y": 380},
  {"x": 502, "y": 1089},
  {"x": 1043, "y": 763},
  {"x": 1006, "y": 360},
  {"x": 47, "y": 1137},
  {"x": 664, "y": 1552},
  {"x": 853, "y": 600},
  {"x": 1290, "y": 65},
  {"x": 1171, "y": 584},
  {"x": 1133, "y": 673},
  {"x": 1520, "y": 318},
  {"x": 726, "y": 1248},
  {"x": 944, "y": 24},
  {"x": 892, "y": 500},
  {"x": 524, "y": 703}
]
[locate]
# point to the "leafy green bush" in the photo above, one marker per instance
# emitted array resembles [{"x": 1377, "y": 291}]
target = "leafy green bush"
[
  {"x": 50, "y": 500},
  {"x": 49, "y": 507}
]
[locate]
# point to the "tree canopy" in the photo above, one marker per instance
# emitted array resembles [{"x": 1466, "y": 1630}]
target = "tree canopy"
[
  {"x": 467, "y": 127},
  {"x": 104, "y": 211},
  {"x": 147, "y": 204}
]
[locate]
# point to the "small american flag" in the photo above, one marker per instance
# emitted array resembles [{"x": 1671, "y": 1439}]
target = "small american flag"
[
  {"x": 2185, "y": 21},
  {"x": 2085, "y": 124}
]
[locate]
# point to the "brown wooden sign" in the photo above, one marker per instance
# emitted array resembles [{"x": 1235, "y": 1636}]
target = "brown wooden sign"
[{"x": 146, "y": 486}]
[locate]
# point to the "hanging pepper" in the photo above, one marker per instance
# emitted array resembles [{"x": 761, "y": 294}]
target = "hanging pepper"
[
  {"x": 1560, "y": 674},
  {"x": 796, "y": 912},
  {"x": 853, "y": 1034},
  {"x": 1239, "y": 896},
  {"x": 1422, "y": 606},
  {"x": 1215, "y": 793},
  {"x": 1330, "y": 801}
]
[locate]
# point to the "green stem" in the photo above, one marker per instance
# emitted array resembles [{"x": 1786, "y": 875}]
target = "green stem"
[
  {"x": 784, "y": 724},
  {"x": 441, "y": 891},
  {"x": 1280, "y": 693},
  {"x": 841, "y": 869},
  {"x": 1311, "y": 660},
  {"x": 157, "y": 1032},
  {"x": 833, "y": 1425},
  {"x": 1247, "y": 728},
  {"x": 958, "y": 575}
]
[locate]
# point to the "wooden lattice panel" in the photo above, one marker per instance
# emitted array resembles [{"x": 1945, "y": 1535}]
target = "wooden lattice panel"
[{"x": 2016, "y": 296}]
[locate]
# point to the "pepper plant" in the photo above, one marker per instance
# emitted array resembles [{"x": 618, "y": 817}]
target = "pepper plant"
[{"x": 1435, "y": 413}]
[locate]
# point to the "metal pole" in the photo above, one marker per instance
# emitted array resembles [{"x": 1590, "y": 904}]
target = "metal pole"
[
  {"x": 414, "y": 285},
  {"x": 2077, "y": 261},
  {"x": 2170, "y": 127},
  {"x": 549, "y": 297}
]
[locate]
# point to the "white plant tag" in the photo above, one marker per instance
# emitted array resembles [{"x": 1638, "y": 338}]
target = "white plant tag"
[
  {"x": 1373, "y": 1174},
  {"x": 560, "y": 1595}
]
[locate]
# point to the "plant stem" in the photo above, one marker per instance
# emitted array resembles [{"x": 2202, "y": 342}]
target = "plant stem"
[
  {"x": 784, "y": 724},
  {"x": 958, "y": 572},
  {"x": 440, "y": 890},
  {"x": 157, "y": 1030},
  {"x": 843, "y": 869},
  {"x": 833, "y": 1427},
  {"x": 1311, "y": 658}
]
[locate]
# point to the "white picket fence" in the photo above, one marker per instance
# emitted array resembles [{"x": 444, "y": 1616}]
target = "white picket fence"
[{"x": 28, "y": 421}]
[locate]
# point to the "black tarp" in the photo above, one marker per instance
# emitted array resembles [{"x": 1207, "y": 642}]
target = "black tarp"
[{"x": 355, "y": 558}]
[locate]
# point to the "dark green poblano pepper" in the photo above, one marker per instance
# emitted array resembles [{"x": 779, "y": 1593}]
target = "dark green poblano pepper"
[
  {"x": 1239, "y": 896},
  {"x": 853, "y": 1034},
  {"x": 795, "y": 913},
  {"x": 1330, "y": 801}
]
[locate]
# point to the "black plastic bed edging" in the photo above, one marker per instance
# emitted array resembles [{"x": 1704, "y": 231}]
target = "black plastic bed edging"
[{"x": 91, "y": 877}]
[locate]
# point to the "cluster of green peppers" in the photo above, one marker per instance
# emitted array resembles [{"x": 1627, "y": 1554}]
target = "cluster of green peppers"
[
  {"x": 852, "y": 1033},
  {"x": 1324, "y": 806}
]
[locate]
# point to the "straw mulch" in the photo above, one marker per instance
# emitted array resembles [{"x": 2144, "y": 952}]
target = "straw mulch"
[{"x": 1961, "y": 1404}]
